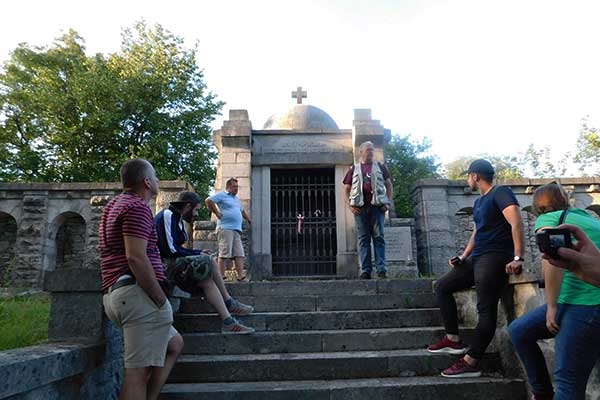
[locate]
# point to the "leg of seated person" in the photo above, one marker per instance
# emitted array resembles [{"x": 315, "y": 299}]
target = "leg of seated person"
[
  {"x": 218, "y": 278},
  {"x": 214, "y": 297},
  {"x": 159, "y": 375},
  {"x": 135, "y": 383},
  {"x": 460, "y": 277},
  {"x": 524, "y": 333},
  {"x": 577, "y": 349}
]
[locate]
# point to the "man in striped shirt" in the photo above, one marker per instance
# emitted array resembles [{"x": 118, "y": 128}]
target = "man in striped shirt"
[{"x": 132, "y": 275}]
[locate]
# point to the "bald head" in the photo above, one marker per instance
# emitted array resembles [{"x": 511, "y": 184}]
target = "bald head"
[{"x": 133, "y": 172}]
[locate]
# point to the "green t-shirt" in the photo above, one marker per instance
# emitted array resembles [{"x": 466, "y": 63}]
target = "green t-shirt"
[{"x": 573, "y": 289}]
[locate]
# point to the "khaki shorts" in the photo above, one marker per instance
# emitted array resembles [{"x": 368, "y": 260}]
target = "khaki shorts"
[
  {"x": 147, "y": 329},
  {"x": 230, "y": 243}
]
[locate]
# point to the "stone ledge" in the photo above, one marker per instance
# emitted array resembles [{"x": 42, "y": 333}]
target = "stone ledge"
[
  {"x": 73, "y": 280},
  {"x": 23, "y": 370},
  {"x": 86, "y": 186}
]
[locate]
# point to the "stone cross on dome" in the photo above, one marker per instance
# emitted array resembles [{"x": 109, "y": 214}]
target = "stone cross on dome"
[{"x": 299, "y": 95}]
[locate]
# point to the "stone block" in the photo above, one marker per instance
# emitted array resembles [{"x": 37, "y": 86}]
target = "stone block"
[
  {"x": 204, "y": 225},
  {"x": 235, "y": 171},
  {"x": 347, "y": 265},
  {"x": 73, "y": 280},
  {"x": 227, "y": 157},
  {"x": 243, "y": 157},
  {"x": 260, "y": 266},
  {"x": 398, "y": 243},
  {"x": 77, "y": 315},
  {"x": 238, "y": 115},
  {"x": 362, "y": 114},
  {"x": 25, "y": 370}
]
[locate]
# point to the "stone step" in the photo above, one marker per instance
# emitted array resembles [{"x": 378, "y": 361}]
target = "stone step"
[
  {"x": 405, "y": 388},
  {"x": 330, "y": 287},
  {"x": 316, "y": 320},
  {"x": 316, "y": 341},
  {"x": 307, "y": 366},
  {"x": 322, "y": 302}
]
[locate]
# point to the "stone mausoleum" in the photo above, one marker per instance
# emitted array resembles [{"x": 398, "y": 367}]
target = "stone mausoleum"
[{"x": 293, "y": 168}]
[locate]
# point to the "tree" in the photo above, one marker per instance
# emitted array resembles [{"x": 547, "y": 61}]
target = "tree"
[
  {"x": 588, "y": 149},
  {"x": 66, "y": 116},
  {"x": 541, "y": 164},
  {"x": 408, "y": 162},
  {"x": 506, "y": 167}
]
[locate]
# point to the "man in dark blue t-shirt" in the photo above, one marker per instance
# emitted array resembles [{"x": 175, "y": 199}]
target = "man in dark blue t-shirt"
[{"x": 495, "y": 250}]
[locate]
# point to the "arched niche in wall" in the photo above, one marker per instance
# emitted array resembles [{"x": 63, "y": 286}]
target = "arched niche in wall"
[
  {"x": 65, "y": 244},
  {"x": 8, "y": 241}
]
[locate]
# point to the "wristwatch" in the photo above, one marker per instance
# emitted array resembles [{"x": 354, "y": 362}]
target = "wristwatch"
[{"x": 517, "y": 258}]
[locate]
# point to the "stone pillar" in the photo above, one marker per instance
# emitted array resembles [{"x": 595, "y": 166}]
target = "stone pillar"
[
  {"x": 260, "y": 247},
  {"x": 347, "y": 256},
  {"x": 234, "y": 143},
  {"x": 31, "y": 235},
  {"x": 435, "y": 243},
  {"x": 168, "y": 191},
  {"x": 364, "y": 128}
]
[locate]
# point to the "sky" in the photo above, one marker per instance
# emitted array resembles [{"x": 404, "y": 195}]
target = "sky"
[{"x": 473, "y": 76}]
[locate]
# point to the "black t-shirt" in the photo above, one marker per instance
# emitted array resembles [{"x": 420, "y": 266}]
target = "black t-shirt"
[
  {"x": 366, "y": 173},
  {"x": 493, "y": 230}
]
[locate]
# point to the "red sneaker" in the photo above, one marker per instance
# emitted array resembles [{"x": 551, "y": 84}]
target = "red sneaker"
[
  {"x": 448, "y": 346},
  {"x": 462, "y": 369}
]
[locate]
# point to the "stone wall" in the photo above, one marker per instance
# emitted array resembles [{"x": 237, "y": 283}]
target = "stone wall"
[
  {"x": 443, "y": 211},
  {"x": 56, "y": 226},
  {"x": 64, "y": 371}
]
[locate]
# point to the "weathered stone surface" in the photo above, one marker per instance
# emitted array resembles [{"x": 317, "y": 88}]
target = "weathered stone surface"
[
  {"x": 76, "y": 316},
  {"x": 293, "y": 321},
  {"x": 411, "y": 388}
]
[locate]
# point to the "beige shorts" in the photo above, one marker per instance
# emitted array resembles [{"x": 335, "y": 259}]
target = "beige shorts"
[
  {"x": 147, "y": 329},
  {"x": 230, "y": 243}
]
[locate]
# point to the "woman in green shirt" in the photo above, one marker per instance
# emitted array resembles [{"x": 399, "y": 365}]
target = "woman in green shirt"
[{"x": 571, "y": 315}]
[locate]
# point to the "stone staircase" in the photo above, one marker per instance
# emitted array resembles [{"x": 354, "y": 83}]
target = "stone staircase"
[{"x": 327, "y": 340}]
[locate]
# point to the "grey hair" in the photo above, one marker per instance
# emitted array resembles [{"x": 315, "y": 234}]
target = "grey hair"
[{"x": 364, "y": 144}]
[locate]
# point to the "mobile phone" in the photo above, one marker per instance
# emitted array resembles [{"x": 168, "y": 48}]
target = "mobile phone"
[
  {"x": 455, "y": 261},
  {"x": 550, "y": 240}
]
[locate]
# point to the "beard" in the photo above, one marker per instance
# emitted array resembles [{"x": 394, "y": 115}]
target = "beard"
[{"x": 187, "y": 217}]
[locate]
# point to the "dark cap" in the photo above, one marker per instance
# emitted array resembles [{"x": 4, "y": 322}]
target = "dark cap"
[
  {"x": 187, "y": 197},
  {"x": 482, "y": 167}
]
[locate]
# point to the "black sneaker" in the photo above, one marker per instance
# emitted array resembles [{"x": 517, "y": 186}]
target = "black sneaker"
[
  {"x": 381, "y": 275},
  {"x": 365, "y": 275}
]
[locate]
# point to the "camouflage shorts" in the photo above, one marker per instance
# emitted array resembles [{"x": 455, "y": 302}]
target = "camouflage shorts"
[{"x": 188, "y": 272}]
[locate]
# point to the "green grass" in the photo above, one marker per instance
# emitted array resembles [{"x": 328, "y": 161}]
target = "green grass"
[{"x": 24, "y": 321}]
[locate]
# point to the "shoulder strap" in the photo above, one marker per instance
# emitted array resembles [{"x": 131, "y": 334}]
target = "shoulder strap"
[{"x": 563, "y": 216}]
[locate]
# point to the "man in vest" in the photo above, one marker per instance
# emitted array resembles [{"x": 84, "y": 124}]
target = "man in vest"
[{"x": 368, "y": 190}]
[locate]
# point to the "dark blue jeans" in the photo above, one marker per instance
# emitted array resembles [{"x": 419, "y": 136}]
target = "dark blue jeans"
[
  {"x": 369, "y": 224},
  {"x": 576, "y": 348}
]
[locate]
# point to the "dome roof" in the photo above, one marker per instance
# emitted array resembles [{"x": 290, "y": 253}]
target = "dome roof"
[{"x": 302, "y": 117}]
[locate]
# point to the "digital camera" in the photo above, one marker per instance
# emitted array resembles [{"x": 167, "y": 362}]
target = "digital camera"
[{"x": 550, "y": 240}]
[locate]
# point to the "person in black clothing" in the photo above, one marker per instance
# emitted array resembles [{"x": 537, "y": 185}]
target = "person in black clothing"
[
  {"x": 171, "y": 237},
  {"x": 495, "y": 249}
]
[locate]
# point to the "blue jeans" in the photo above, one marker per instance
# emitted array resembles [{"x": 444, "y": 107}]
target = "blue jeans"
[
  {"x": 369, "y": 224},
  {"x": 576, "y": 348}
]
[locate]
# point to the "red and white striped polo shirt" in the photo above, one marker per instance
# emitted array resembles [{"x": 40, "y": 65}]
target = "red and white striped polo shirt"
[{"x": 126, "y": 215}]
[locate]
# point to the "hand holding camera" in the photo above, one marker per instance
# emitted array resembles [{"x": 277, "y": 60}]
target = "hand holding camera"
[{"x": 551, "y": 239}]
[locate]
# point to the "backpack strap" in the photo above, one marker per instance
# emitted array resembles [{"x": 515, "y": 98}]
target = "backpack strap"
[{"x": 563, "y": 216}]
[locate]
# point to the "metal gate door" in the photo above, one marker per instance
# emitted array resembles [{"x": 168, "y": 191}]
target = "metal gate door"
[{"x": 310, "y": 249}]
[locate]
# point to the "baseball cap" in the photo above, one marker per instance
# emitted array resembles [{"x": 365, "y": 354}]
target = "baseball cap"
[
  {"x": 481, "y": 166},
  {"x": 187, "y": 197}
]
